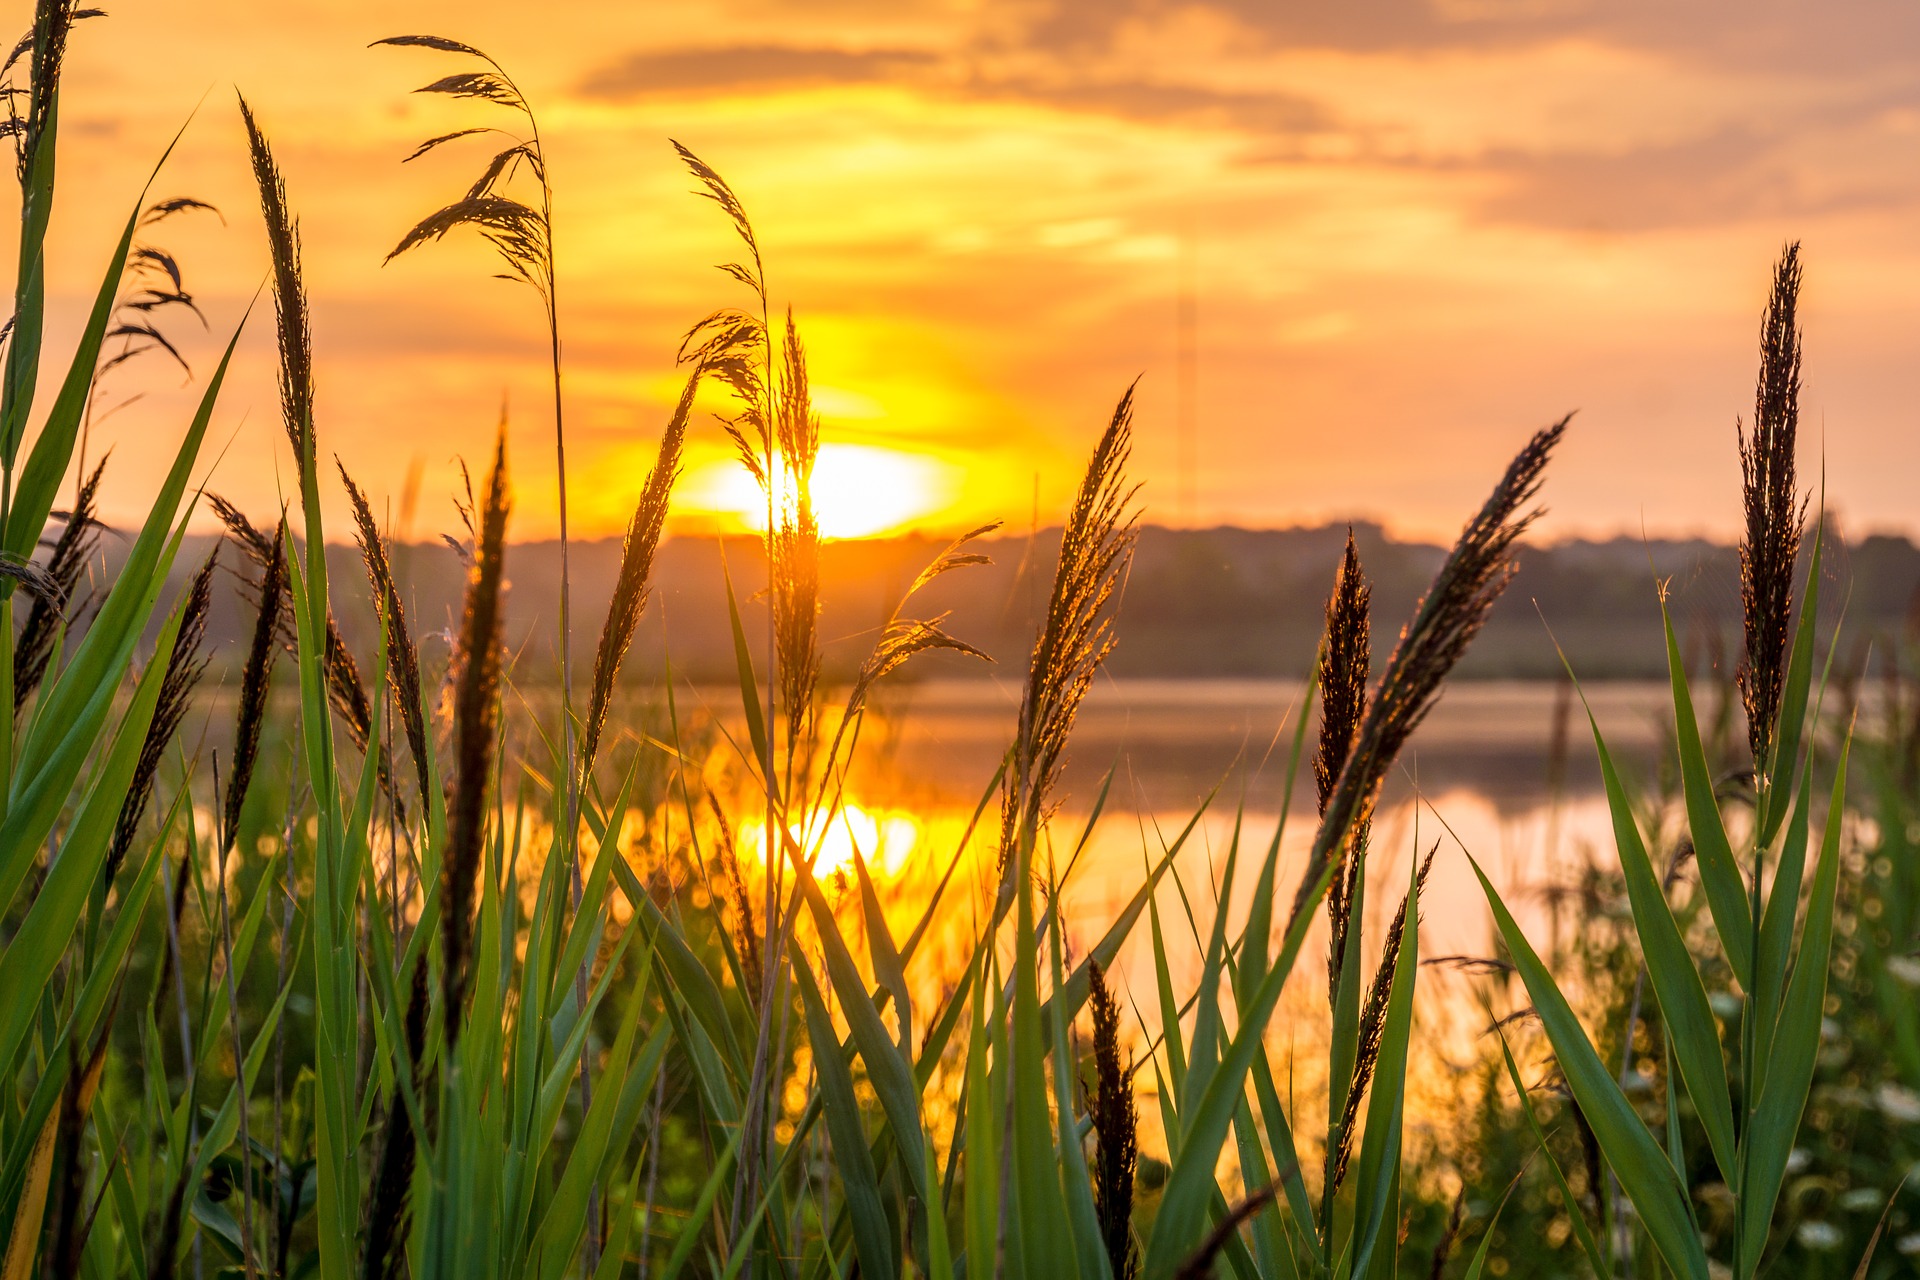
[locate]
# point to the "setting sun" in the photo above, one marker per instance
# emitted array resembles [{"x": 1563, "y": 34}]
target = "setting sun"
[
  {"x": 884, "y": 838},
  {"x": 858, "y": 491}
]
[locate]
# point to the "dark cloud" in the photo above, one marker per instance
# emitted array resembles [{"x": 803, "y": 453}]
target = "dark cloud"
[
  {"x": 1264, "y": 113},
  {"x": 1792, "y": 36},
  {"x": 1729, "y": 177},
  {"x": 746, "y": 67}
]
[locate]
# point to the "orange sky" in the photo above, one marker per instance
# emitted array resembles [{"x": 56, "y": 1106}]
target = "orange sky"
[{"x": 1418, "y": 231}]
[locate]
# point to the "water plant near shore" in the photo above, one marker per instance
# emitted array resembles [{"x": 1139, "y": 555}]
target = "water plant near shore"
[{"x": 563, "y": 981}]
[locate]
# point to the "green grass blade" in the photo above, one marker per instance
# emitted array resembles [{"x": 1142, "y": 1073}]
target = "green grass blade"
[
  {"x": 1793, "y": 694},
  {"x": 887, "y": 965},
  {"x": 1190, "y": 1186},
  {"x": 1691, "y": 1027},
  {"x": 40, "y": 942},
  {"x": 859, "y": 1182},
  {"x": 889, "y": 1072},
  {"x": 1720, "y": 877},
  {"x": 1776, "y": 928},
  {"x": 1082, "y": 1218},
  {"x": 983, "y": 1126},
  {"x": 1582, "y": 1232},
  {"x": 1376, "y": 1188},
  {"x": 1795, "y": 1047},
  {"x": 1478, "y": 1266},
  {"x": 1637, "y": 1160}
]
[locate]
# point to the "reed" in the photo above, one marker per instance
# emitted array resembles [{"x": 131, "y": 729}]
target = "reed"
[
  {"x": 1775, "y": 509},
  {"x": 1077, "y": 634},
  {"x": 255, "y": 678},
  {"x": 636, "y": 569},
  {"x": 51, "y": 611},
  {"x": 1116, "y": 1124},
  {"x": 477, "y": 1074},
  {"x": 476, "y": 699},
  {"x": 1474, "y": 575},
  {"x": 185, "y": 667},
  {"x": 403, "y": 657},
  {"x": 1346, "y": 660}
]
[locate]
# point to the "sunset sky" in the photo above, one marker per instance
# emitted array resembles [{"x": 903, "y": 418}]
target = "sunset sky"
[{"x": 1415, "y": 232}]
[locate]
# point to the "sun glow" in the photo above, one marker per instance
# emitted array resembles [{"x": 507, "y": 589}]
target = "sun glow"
[
  {"x": 859, "y": 491},
  {"x": 885, "y": 839}
]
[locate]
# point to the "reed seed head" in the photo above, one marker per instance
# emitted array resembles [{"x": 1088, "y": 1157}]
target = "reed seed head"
[
  {"x": 185, "y": 665},
  {"x": 1449, "y": 616},
  {"x": 1346, "y": 655},
  {"x": 403, "y": 658},
  {"x": 630, "y": 587},
  {"x": 1116, "y": 1126},
  {"x": 289, "y": 293},
  {"x": 66, "y": 564},
  {"x": 475, "y": 709},
  {"x": 1373, "y": 1021},
  {"x": 1775, "y": 510},
  {"x": 255, "y": 677},
  {"x": 1096, "y": 548}
]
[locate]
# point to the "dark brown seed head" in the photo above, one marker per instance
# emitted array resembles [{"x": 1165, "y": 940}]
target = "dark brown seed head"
[
  {"x": 289, "y": 293},
  {"x": 254, "y": 679},
  {"x": 476, "y": 700},
  {"x": 1345, "y": 657},
  {"x": 1344, "y": 661},
  {"x": 65, "y": 566},
  {"x": 403, "y": 659},
  {"x": 1449, "y": 616},
  {"x": 1116, "y": 1126},
  {"x": 390, "y": 1207},
  {"x": 1775, "y": 511},
  {"x": 185, "y": 665},
  {"x": 1373, "y": 1021}
]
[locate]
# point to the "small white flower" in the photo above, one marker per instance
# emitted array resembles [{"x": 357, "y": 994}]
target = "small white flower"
[
  {"x": 1820, "y": 1235},
  {"x": 1906, "y": 969},
  {"x": 1897, "y": 1102},
  {"x": 1798, "y": 1159},
  {"x": 1725, "y": 1004},
  {"x": 1908, "y": 1244},
  {"x": 1862, "y": 1198}
]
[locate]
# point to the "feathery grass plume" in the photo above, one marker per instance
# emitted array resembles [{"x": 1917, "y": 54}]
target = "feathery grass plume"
[
  {"x": 390, "y": 1208},
  {"x": 521, "y": 234},
  {"x": 1096, "y": 547},
  {"x": 731, "y": 344},
  {"x": 475, "y": 706},
  {"x": 1345, "y": 660},
  {"x": 903, "y": 637},
  {"x": 796, "y": 543},
  {"x": 1449, "y": 616},
  {"x": 1116, "y": 1126},
  {"x": 636, "y": 570},
  {"x": 403, "y": 658},
  {"x": 52, "y": 22},
  {"x": 185, "y": 665},
  {"x": 1373, "y": 1021},
  {"x": 1774, "y": 508},
  {"x": 65, "y": 565},
  {"x": 254, "y": 680},
  {"x": 289, "y": 292}
]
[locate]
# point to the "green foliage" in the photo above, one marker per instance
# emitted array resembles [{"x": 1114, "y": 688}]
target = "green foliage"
[{"x": 538, "y": 1010}]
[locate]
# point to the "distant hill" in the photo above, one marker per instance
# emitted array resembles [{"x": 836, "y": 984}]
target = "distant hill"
[{"x": 1199, "y": 603}]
